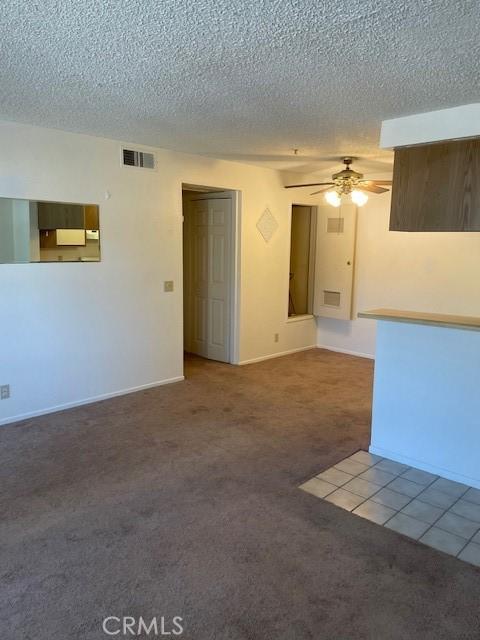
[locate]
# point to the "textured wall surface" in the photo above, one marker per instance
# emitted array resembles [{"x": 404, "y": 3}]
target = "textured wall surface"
[{"x": 252, "y": 79}]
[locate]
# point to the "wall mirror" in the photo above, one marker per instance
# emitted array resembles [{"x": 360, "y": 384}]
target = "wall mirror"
[{"x": 39, "y": 231}]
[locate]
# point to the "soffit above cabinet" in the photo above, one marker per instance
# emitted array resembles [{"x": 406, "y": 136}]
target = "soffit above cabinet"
[{"x": 433, "y": 126}]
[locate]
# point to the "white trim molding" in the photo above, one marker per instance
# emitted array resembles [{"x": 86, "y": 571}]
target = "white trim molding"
[
  {"x": 277, "y": 355},
  {"x": 431, "y": 468},
  {"x": 300, "y": 318},
  {"x": 79, "y": 403},
  {"x": 348, "y": 352}
]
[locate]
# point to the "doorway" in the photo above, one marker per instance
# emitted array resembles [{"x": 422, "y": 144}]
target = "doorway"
[
  {"x": 302, "y": 260},
  {"x": 210, "y": 269}
]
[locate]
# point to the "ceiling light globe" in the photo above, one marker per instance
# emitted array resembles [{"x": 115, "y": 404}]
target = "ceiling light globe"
[
  {"x": 333, "y": 198},
  {"x": 359, "y": 197}
]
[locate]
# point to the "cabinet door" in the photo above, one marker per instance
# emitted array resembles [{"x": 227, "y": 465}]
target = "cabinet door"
[
  {"x": 56, "y": 215},
  {"x": 48, "y": 216},
  {"x": 74, "y": 216},
  {"x": 436, "y": 187},
  {"x": 91, "y": 217},
  {"x": 335, "y": 253}
]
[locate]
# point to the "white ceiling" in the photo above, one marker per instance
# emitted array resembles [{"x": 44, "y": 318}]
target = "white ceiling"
[{"x": 247, "y": 80}]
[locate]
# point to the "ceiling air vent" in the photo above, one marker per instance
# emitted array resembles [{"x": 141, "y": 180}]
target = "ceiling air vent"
[{"x": 142, "y": 159}]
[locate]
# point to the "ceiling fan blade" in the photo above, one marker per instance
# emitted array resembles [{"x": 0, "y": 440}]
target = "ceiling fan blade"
[
  {"x": 381, "y": 181},
  {"x": 311, "y": 184},
  {"x": 372, "y": 187},
  {"x": 321, "y": 191}
]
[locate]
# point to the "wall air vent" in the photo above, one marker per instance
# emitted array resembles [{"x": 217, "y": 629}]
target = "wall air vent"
[
  {"x": 335, "y": 225},
  {"x": 331, "y": 298},
  {"x": 141, "y": 159}
]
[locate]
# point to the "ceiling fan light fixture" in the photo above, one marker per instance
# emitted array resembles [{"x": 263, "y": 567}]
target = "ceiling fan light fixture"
[
  {"x": 359, "y": 197},
  {"x": 333, "y": 198},
  {"x": 346, "y": 182}
]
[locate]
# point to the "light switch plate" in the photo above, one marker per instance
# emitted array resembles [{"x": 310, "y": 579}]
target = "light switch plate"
[
  {"x": 4, "y": 392},
  {"x": 168, "y": 286}
]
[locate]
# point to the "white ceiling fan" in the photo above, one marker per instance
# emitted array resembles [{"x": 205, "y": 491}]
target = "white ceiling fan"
[{"x": 346, "y": 182}]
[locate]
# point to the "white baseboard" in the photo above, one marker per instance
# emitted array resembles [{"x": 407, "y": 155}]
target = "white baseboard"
[
  {"x": 79, "y": 403},
  {"x": 425, "y": 466},
  {"x": 347, "y": 351},
  {"x": 277, "y": 355}
]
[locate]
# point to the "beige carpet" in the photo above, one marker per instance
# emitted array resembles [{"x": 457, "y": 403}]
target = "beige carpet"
[{"x": 183, "y": 500}]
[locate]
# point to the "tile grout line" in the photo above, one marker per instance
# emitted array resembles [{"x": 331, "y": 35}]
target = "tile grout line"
[
  {"x": 353, "y": 478},
  {"x": 380, "y": 487},
  {"x": 473, "y": 535},
  {"x": 357, "y": 476},
  {"x": 441, "y": 516},
  {"x": 399, "y": 475},
  {"x": 411, "y": 499},
  {"x": 398, "y": 511}
]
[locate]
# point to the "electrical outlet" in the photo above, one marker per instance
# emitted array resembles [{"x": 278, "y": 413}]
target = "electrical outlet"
[
  {"x": 4, "y": 392},
  {"x": 276, "y": 337},
  {"x": 168, "y": 286}
]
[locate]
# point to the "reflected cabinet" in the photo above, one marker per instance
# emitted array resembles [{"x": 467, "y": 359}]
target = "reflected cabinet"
[{"x": 38, "y": 231}]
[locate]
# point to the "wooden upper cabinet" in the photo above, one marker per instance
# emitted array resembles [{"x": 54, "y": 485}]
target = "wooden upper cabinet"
[
  {"x": 57, "y": 215},
  {"x": 91, "y": 216},
  {"x": 436, "y": 187}
]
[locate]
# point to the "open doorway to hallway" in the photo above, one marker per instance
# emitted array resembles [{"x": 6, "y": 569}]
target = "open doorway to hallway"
[{"x": 210, "y": 272}]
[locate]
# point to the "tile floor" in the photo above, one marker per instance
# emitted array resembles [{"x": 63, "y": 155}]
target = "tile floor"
[{"x": 440, "y": 513}]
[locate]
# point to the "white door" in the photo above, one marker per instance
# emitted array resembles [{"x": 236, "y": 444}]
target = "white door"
[
  {"x": 209, "y": 245},
  {"x": 335, "y": 253}
]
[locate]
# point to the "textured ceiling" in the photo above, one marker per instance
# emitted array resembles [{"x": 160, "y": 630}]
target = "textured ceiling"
[{"x": 247, "y": 80}]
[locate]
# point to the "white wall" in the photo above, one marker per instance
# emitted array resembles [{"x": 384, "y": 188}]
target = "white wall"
[
  {"x": 76, "y": 331},
  {"x": 436, "y": 272},
  {"x": 426, "y": 402}
]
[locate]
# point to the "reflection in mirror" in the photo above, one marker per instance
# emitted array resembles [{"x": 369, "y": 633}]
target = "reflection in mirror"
[{"x": 34, "y": 231}]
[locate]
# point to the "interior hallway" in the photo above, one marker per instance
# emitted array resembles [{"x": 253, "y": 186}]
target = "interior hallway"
[{"x": 183, "y": 500}]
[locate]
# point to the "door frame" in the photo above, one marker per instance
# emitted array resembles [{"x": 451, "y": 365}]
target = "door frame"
[{"x": 235, "y": 274}]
